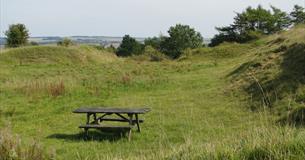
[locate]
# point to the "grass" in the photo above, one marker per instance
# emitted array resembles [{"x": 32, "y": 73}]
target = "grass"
[
  {"x": 194, "y": 113},
  {"x": 273, "y": 72}
]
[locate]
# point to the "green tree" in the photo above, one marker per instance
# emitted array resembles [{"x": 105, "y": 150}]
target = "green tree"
[
  {"x": 226, "y": 34},
  {"x": 281, "y": 20},
  {"x": 298, "y": 15},
  {"x": 252, "y": 24},
  {"x": 17, "y": 35},
  {"x": 180, "y": 38},
  {"x": 129, "y": 46}
]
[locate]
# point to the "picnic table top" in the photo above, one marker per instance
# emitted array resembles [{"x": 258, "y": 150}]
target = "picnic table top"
[{"x": 111, "y": 110}]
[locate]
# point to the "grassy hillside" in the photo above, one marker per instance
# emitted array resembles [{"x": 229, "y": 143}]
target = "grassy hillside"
[
  {"x": 273, "y": 73},
  {"x": 194, "y": 114}
]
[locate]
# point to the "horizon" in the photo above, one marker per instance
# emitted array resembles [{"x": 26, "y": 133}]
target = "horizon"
[{"x": 136, "y": 18}]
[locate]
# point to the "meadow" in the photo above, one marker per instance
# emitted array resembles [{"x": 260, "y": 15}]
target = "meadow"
[{"x": 197, "y": 112}]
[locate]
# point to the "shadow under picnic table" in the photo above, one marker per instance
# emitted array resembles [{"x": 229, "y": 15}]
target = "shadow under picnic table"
[{"x": 93, "y": 136}]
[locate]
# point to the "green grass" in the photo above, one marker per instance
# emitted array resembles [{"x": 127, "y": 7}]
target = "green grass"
[
  {"x": 194, "y": 113},
  {"x": 272, "y": 73}
]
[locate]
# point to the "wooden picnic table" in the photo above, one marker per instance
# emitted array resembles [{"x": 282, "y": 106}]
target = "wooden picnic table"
[{"x": 130, "y": 115}]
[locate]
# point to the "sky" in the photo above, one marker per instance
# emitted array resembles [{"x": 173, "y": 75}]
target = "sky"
[{"x": 138, "y": 18}]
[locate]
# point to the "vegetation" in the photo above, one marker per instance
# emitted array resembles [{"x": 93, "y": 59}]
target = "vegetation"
[
  {"x": 33, "y": 43},
  {"x": 232, "y": 101},
  {"x": 273, "y": 74},
  {"x": 66, "y": 42},
  {"x": 129, "y": 46},
  {"x": 12, "y": 148},
  {"x": 180, "y": 38},
  {"x": 298, "y": 15},
  {"x": 251, "y": 24},
  {"x": 154, "y": 42},
  {"x": 17, "y": 35},
  {"x": 199, "y": 107}
]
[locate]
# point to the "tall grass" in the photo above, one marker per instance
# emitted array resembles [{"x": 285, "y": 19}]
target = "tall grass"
[{"x": 12, "y": 148}]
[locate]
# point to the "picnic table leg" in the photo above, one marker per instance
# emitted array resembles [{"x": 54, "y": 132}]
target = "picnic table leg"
[
  {"x": 137, "y": 122},
  {"x": 95, "y": 119},
  {"x": 88, "y": 118},
  {"x": 88, "y": 122},
  {"x": 130, "y": 119},
  {"x": 131, "y": 124}
]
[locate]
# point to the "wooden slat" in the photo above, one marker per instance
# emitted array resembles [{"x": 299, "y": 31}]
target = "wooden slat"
[
  {"x": 106, "y": 128},
  {"x": 112, "y": 110},
  {"x": 120, "y": 120}
]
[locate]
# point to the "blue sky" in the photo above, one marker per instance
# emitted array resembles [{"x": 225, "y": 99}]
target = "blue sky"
[{"x": 140, "y": 18}]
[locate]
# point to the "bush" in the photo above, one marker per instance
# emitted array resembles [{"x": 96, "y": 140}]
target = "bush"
[
  {"x": 33, "y": 43},
  {"x": 154, "y": 42},
  {"x": 111, "y": 49},
  {"x": 153, "y": 54},
  {"x": 129, "y": 46},
  {"x": 66, "y": 42}
]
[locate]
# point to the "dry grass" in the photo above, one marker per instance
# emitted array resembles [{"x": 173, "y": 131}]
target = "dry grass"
[
  {"x": 42, "y": 87},
  {"x": 56, "y": 89},
  {"x": 12, "y": 148}
]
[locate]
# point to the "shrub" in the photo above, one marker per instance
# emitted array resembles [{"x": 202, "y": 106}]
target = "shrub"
[
  {"x": 66, "y": 42},
  {"x": 153, "y": 54},
  {"x": 33, "y": 43},
  {"x": 129, "y": 46},
  {"x": 154, "y": 42}
]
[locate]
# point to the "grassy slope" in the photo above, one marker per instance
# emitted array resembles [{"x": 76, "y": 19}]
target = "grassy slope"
[
  {"x": 40, "y": 86},
  {"x": 273, "y": 73}
]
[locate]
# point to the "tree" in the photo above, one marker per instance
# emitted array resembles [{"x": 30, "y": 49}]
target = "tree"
[
  {"x": 280, "y": 20},
  {"x": 180, "y": 38},
  {"x": 17, "y": 35},
  {"x": 251, "y": 24},
  {"x": 226, "y": 34},
  {"x": 129, "y": 46},
  {"x": 298, "y": 15}
]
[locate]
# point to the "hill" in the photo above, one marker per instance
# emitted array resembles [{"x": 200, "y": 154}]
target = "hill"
[
  {"x": 198, "y": 102},
  {"x": 273, "y": 72}
]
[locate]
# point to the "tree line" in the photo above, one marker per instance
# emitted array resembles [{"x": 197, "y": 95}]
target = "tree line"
[{"x": 248, "y": 25}]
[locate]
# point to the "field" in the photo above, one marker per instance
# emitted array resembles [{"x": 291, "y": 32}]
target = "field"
[{"x": 197, "y": 112}]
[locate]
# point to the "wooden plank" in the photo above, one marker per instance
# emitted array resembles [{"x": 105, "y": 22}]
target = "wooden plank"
[
  {"x": 120, "y": 120},
  {"x": 102, "y": 126},
  {"x": 106, "y": 128},
  {"x": 112, "y": 110}
]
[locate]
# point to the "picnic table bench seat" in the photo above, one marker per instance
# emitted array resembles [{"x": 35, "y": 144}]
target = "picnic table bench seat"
[{"x": 106, "y": 128}]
